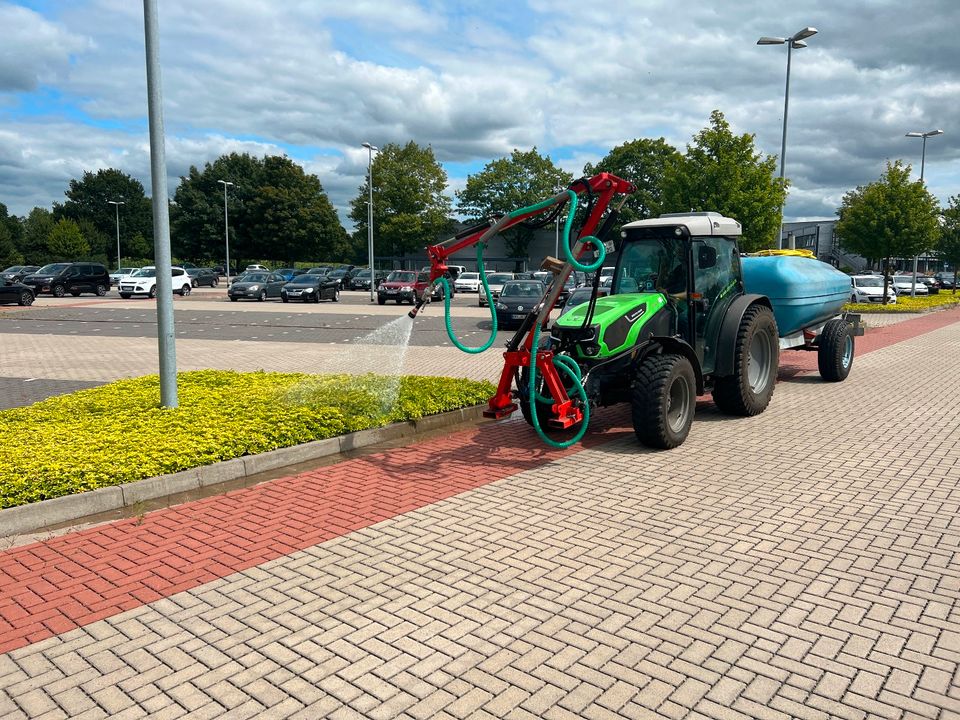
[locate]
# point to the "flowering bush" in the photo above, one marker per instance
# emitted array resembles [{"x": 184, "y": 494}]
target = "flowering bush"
[
  {"x": 118, "y": 433},
  {"x": 907, "y": 304}
]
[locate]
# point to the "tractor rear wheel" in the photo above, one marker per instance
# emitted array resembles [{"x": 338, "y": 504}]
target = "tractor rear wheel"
[
  {"x": 835, "y": 353},
  {"x": 663, "y": 400},
  {"x": 756, "y": 357}
]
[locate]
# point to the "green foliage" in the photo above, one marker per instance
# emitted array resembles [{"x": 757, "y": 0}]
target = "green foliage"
[
  {"x": 907, "y": 304},
  {"x": 891, "y": 217},
  {"x": 275, "y": 209},
  {"x": 641, "y": 162},
  {"x": 508, "y": 184},
  {"x": 410, "y": 210},
  {"x": 723, "y": 172},
  {"x": 34, "y": 241},
  {"x": 66, "y": 242},
  {"x": 88, "y": 205},
  {"x": 9, "y": 255},
  {"x": 948, "y": 245},
  {"x": 118, "y": 433}
]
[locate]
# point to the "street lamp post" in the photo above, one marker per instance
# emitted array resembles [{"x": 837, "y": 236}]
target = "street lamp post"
[
  {"x": 116, "y": 204},
  {"x": 226, "y": 225},
  {"x": 370, "y": 150},
  {"x": 923, "y": 160},
  {"x": 795, "y": 41}
]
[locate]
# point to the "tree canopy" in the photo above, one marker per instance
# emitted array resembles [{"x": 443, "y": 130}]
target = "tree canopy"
[
  {"x": 948, "y": 245},
  {"x": 508, "y": 184},
  {"x": 892, "y": 217},
  {"x": 722, "y": 172},
  {"x": 642, "y": 162},
  {"x": 410, "y": 210},
  {"x": 275, "y": 210}
]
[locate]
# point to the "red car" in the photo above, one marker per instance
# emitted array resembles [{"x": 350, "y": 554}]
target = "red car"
[{"x": 403, "y": 286}]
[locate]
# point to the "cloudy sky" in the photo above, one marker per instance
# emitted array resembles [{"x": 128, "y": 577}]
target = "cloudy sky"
[{"x": 475, "y": 79}]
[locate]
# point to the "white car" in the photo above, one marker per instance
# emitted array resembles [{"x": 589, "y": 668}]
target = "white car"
[
  {"x": 117, "y": 275},
  {"x": 496, "y": 282},
  {"x": 903, "y": 284},
  {"x": 467, "y": 282},
  {"x": 257, "y": 268},
  {"x": 869, "y": 289},
  {"x": 144, "y": 282}
]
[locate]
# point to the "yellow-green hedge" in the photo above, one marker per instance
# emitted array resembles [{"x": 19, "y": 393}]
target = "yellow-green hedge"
[
  {"x": 907, "y": 304},
  {"x": 117, "y": 433}
]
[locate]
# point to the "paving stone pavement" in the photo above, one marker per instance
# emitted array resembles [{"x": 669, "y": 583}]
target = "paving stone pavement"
[{"x": 799, "y": 564}]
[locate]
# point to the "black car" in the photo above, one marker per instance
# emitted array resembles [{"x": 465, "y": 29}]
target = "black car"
[
  {"x": 204, "y": 277},
  {"x": 945, "y": 279},
  {"x": 437, "y": 292},
  {"x": 311, "y": 288},
  {"x": 16, "y": 273},
  {"x": 256, "y": 286},
  {"x": 580, "y": 296},
  {"x": 340, "y": 275},
  {"x": 14, "y": 292},
  {"x": 61, "y": 278},
  {"x": 517, "y": 298},
  {"x": 362, "y": 280}
]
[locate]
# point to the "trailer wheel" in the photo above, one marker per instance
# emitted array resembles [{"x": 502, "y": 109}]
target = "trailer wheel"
[
  {"x": 835, "y": 353},
  {"x": 663, "y": 400},
  {"x": 756, "y": 357}
]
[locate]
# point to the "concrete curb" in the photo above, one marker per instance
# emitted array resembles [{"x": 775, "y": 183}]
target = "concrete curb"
[{"x": 36, "y": 516}]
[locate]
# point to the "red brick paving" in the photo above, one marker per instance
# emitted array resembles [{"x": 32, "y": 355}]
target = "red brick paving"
[{"x": 51, "y": 587}]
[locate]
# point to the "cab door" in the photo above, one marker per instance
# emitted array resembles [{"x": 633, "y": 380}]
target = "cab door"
[{"x": 716, "y": 283}]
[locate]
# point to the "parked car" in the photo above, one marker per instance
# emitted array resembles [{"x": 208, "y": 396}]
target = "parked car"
[
  {"x": 256, "y": 286},
  {"x": 311, "y": 288},
  {"x": 144, "y": 282},
  {"x": 255, "y": 268},
  {"x": 205, "y": 277},
  {"x": 869, "y": 289},
  {"x": 580, "y": 296},
  {"x": 362, "y": 281},
  {"x": 524, "y": 276},
  {"x": 933, "y": 285},
  {"x": 401, "y": 286},
  {"x": 117, "y": 275},
  {"x": 286, "y": 273},
  {"x": 543, "y": 276},
  {"x": 904, "y": 283},
  {"x": 436, "y": 292},
  {"x": 517, "y": 298},
  {"x": 61, "y": 278},
  {"x": 945, "y": 279},
  {"x": 340, "y": 275},
  {"x": 15, "y": 292},
  {"x": 16, "y": 273},
  {"x": 495, "y": 282},
  {"x": 468, "y": 282}
]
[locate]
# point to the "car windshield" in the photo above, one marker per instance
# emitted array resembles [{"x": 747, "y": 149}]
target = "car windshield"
[
  {"x": 13, "y": 269},
  {"x": 903, "y": 278},
  {"x": 339, "y": 273},
  {"x": 530, "y": 288},
  {"x": 470, "y": 276},
  {"x": 398, "y": 276},
  {"x": 255, "y": 277},
  {"x": 52, "y": 268},
  {"x": 145, "y": 272},
  {"x": 124, "y": 271},
  {"x": 868, "y": 282},
  {"x": 499, "y": 279}
]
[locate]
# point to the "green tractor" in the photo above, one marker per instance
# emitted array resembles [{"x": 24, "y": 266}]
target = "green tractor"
[{"x": 676, "y": 323}]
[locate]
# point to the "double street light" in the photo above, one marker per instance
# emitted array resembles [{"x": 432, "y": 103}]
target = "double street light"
[
  {"x": 116, "y": 204},
  {"x": 371, "y": 149},
  {"x": 226, "y": 225},
  {"x": 923, "y": 160},
  {"x": 795, "y": 41}
]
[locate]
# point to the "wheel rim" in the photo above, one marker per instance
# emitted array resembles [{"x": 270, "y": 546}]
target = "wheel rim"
[
  {"x": 26, "y": 299},
  {"x": 678, "y": 406},
  {"x": 847, "y": 352},
  {"x": 759, "y": 361}
]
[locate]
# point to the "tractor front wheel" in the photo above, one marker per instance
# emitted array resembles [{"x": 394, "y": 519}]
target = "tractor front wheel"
[
  {"x": 663, "y": 400},
  {"x": 756, "y": 357},
  {"x": 835, "y": 352},
  {"x": 544, "y": 410}
]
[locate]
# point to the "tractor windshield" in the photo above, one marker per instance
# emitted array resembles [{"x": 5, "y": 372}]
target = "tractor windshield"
[{"x": 651, "y": 265}]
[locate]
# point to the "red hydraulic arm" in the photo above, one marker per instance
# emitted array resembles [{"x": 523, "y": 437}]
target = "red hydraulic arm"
[{"x": 604, "y": 187}]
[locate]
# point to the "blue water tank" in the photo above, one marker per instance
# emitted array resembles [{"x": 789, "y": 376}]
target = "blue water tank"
[{"x": 804, "y": 291}]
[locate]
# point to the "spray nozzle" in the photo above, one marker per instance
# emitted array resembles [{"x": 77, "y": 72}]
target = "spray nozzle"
[{"x": 418, "y": 307}]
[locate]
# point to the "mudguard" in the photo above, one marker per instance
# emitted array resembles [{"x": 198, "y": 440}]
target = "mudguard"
[
  {"x": 679, "y": 347},
  {"x": 727, "y": 342}
]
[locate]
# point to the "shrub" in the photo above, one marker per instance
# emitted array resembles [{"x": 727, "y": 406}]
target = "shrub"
[
  {"x": 906, "y": 304},
  {"x": 118, "y": 433}
]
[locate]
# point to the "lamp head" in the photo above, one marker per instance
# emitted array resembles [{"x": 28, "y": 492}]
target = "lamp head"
[
  {"x": 771, "y": 41},
  {"x": 797, "y": 44},
  {"x": 805, "y": 33}
]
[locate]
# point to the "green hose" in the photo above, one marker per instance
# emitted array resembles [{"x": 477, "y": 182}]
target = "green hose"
[
  {"x": 570, "y": 367},
  {"x": 493, "y": 311}
]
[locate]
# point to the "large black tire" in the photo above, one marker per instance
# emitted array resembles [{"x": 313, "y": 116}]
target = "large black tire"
[
  {"x": 58, "y": 291},
  {"x": 756, "y": 358},
  {"x": 835, "y": 351},
  {"x": 663, "y": 400}
]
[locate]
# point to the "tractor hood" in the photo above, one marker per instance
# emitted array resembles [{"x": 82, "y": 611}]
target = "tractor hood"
[{"x": 616, "y": 324}]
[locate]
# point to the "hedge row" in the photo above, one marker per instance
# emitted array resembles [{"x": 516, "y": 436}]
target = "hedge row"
[
  {"x": 907, "y": 304},
  {"x": 118, "y": 433}
]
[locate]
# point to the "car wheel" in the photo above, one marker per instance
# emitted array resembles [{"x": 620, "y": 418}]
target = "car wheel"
[
  {"x": 193, "y": 283},
  {"x": 381, "y": 301},
  {"x": 153, "y": 292},
  {"x": 285, "y": 298},
  {"x": 185, "y": 290},
  {"x": 58, "y": 291},
  {"x": 125, "y": 296},
  {"x": 75, "y": 293},
  {"x": 336, "y": 296},
  {"x": 101, "y": 290},
  {"x": 214, "y": 282},
  {"x": 262, "y": 296},
  {"x": 234, "y": 299},
  {"x": 26, "y": 298}
]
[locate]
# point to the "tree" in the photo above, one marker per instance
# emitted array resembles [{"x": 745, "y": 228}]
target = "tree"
[
  {"x": 276, "y": 211},
  {"x": 948, "y": 245},
  {"x": 889, "y": 218},
  {"x": 641, "y": 162},
  {"x": 9, "y": 255},
  {"x": 508, "y": 184},
  {"x": 88, "y": 202},
  {"x": 410, "y": 210},
  {"x": 34, "y": 241},
  {"x": 723, "y": 172},
  {"x": 66, "y": 242}
]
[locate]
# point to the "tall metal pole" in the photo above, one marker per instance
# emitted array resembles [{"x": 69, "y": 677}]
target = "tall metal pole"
[
  {"x": 166, "y": 337},
  {"x": 923, "y": 162},
  {"x": 226, "y": 225},
  {"x": 370, "y": 148},
  {"x": 117, "y": 205},
  {"x": 786, "y": 107}
]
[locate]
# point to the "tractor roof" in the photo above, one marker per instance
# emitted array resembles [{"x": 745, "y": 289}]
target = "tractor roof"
[{"x": 697, "y": 223}]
